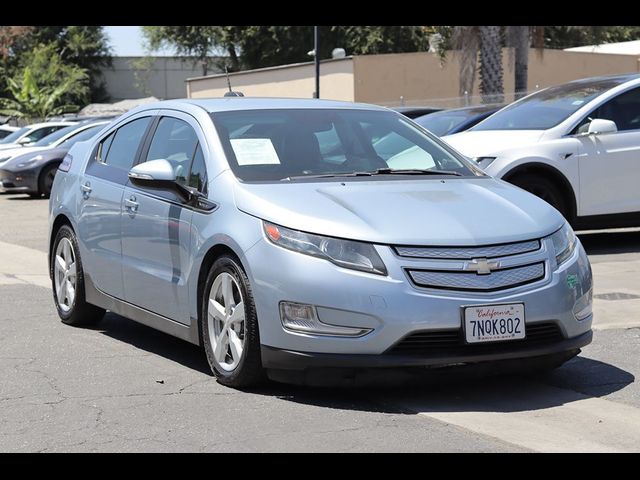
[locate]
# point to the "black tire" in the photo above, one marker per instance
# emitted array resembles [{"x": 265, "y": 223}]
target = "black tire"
[
  {"x": 249, "y": 371},
  {"x": 80, "y": 312},
  {"x": 45, "y": 181},
  {"x": 544, "y": 188},
  {"x": 35, "y": 194}
]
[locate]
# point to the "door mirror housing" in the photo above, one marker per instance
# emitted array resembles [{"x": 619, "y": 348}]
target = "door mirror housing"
[
  {"x": 25, "y": 141},
  {"x": 159, "y": 174},
  {"x": 600, "y": 125}
]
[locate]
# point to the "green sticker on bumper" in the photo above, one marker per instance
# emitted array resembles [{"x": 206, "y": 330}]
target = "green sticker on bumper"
[{"x": 572, "y": 281}]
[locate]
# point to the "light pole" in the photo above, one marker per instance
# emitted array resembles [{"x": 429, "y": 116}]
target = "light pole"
[{"x": 316, "y": 45}]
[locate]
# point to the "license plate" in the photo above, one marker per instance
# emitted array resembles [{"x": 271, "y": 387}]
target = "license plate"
[{"x": 494, "y": 323}]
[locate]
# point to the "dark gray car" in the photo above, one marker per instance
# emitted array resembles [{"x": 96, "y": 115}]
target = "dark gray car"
[{"x": 33, "y": 172}]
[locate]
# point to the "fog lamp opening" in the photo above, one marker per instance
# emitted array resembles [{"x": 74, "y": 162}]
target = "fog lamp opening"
[
  {"x": 303, "y": 318},
  {"x": 584, "y": 306}
]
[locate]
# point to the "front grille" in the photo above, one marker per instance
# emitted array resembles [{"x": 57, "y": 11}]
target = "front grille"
[
  {"x": 434, "y": 343},
  {"x": 467, "y": 253},
  {"x": 471, "y": 281}
]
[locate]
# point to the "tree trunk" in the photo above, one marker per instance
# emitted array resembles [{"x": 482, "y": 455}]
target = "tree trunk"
[
  {"x": 466, "y": 42},
  {"x": 491, "y": 87},
  {"x": 521, "y": 39}
]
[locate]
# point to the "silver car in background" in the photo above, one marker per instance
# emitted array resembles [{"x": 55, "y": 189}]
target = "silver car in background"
[{"x": 293, "y": 238}]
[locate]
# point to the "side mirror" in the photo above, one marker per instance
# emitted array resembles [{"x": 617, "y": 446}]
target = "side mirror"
[
  {"x": 159, "y": 174},
  {"x": 154, "y": 173},
  {"x": 600, "y": 125},
  {"x": 24, "y": 141}
]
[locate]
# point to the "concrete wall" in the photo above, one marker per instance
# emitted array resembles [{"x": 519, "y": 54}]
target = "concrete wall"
[
  {"x": 161, "y": 77},
  {"x": 420, "y": 78},
  {"x": 293, "y": 81}
]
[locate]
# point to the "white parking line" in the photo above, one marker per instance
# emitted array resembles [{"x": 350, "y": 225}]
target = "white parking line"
[
  {"x": 537, "y": 417},
  {"x": 23, "y": 265}
]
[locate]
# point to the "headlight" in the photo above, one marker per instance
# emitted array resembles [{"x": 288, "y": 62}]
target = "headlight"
[
  {"x": 484, "y": 162},
  {"x": 564, "y": 243},
  {"x": 31, "y": 161},
  {"x": 344, "y": 253}
]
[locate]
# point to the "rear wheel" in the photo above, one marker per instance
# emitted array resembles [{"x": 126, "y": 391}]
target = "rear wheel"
[
  {"x": 68, "y": 281},
  {"x": 230, "y": 326},
  {"x": 544, "y": 188},
  {"x": 45, "y": 182}
]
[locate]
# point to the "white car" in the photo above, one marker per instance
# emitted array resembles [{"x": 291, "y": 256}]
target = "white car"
[
  {"x": 31, "y": 134},
  {"x": 6, "y": 130},
  {"x": 576, "y": 145}
]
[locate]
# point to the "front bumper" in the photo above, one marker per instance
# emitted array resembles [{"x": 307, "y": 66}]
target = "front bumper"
[{"x": 23, "y": 181}]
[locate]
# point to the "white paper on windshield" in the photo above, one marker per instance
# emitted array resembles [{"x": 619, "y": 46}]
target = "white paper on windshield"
[{"x": 254, "y": 151}]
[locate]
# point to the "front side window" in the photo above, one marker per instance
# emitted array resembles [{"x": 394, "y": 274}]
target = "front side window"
[
  {"x": 119, "y": 149},
  {"x": 175, "y": 141},
  {"x": 42, "y": 132},
  {"x": 624, "y": 110},
  {"x": 275, "y": 145},
  {"x": 198, "y": 172}
]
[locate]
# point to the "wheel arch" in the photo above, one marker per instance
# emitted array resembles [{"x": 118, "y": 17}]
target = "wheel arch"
[
  {"x": 213, "y": 253},
  {"x": 60, "y": 220},
  {"x": 551, "y": 173}
]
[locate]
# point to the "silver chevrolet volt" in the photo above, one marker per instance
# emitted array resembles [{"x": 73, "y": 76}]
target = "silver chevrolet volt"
[{"x": 295, "y": 239}]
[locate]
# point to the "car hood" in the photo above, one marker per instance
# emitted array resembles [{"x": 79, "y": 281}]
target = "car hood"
[
  {"x": 435, "y": 211},
  {"x": 14, "y": 152},
  {"x": 46, "y": 154},
  {"x": 484, "y": 143}
]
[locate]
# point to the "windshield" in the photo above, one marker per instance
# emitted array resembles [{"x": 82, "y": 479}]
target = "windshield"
[
  {"x": 55, "y": 136},
  {"x": 274, "y": 145},
  {"x": 547, "y": 108},
  {"x": 441, "y": 123},
  {"x": 15, "y": 135}
]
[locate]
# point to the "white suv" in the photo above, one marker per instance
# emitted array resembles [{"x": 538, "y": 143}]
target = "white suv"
[{"x": 576, "y": 145}]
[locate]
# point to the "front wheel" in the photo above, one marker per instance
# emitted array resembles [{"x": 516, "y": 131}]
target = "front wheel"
[
  {"x": 230, "y": 326},
  {"x": 545, "y": 189},
  {"x": 45, "y": 182},
  {"x": 68, "y": 281}
]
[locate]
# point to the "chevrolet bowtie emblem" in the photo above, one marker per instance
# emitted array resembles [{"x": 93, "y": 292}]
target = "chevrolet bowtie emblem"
[{"x": 481, "y": 266}]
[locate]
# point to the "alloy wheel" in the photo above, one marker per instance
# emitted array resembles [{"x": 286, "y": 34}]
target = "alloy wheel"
[
  {"x": 65, "y": 275},
  {"x": 226, "y": 321}
]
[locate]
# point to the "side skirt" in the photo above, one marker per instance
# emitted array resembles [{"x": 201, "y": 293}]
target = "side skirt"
[{"x": 140, "y": 315}]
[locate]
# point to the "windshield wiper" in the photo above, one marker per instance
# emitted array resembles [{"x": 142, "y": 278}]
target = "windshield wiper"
[
  {"x": 330, "y": 175},
  {"x": 379, "y": 171},
  {"x": 414, "y": 171}
]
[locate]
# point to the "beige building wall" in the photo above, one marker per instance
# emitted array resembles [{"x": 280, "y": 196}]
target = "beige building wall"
[
  {"x": 291, "y": 81},
  {"x": 410, "y": 78},
  {"x": 421, "y": 78}
]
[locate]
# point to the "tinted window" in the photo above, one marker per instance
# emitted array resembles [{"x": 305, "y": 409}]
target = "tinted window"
[
  {"x": 4, "y": 133},
  {"x": 624, "y": 110},
  {"x": 441, "y": 123},
  {"x": 42, "y": 132},
  {"x": 547, "y": 108},
  {"x": 15, "y": 135},
  {"x": 198, "y": 173},
  {"x": 175, "y": 141},
  {"x": 119, "y": 149},
  {"x": 271, "y": 145},
  {"x": 51, "y": 138}
]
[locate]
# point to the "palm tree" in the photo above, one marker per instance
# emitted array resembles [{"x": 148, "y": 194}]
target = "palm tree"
[
  {"x": 491, "y": 86},
  {"x": 468, "y": 42},
  {"x": 518, "y": 39}
]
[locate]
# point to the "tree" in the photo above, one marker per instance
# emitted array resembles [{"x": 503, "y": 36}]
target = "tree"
[
  {"x": 483, "y": 43},
  {"x": 518, "y": 37},
  {"x": 82, "y": 46},
  {"x": 199, "y": 42},
  {"x": 45, "y": 86},
  {"x": 248, "y": 47}
]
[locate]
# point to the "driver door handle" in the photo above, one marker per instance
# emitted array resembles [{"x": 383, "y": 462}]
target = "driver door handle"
[
  {"x": 86, "y": 189},
  {"x": 131, "y": 204}
]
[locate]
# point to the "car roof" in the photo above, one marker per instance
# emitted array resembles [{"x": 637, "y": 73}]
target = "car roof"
[
  {"x": 226, "y": 104},
  {"x": 49, "y": 124}
]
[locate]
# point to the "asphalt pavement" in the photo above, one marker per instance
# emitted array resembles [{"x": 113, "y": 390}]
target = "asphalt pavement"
[{"x": 123, "y": 387}]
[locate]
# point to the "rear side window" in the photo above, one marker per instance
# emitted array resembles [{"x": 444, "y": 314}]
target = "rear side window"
[{"x": 119, "y": 149}]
